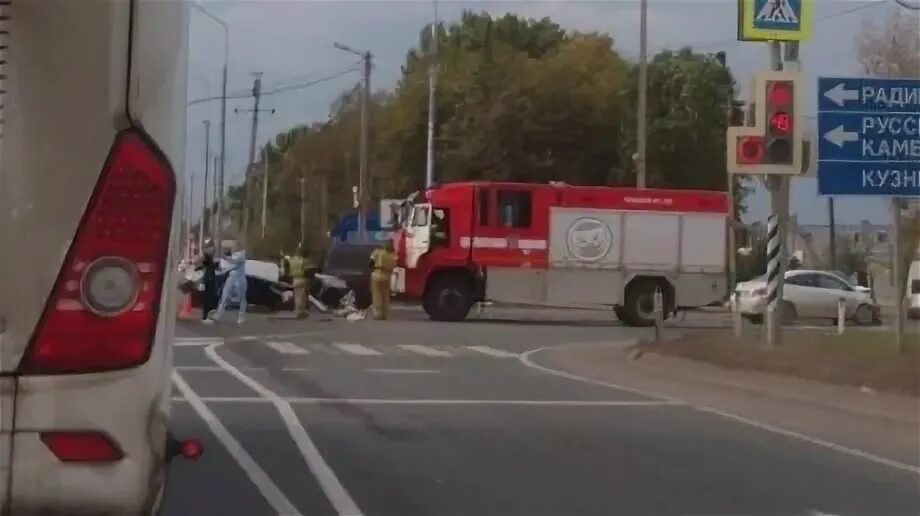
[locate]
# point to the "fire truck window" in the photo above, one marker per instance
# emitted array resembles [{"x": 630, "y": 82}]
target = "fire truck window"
[
  {"x": 439, "y": 227},
  {"x": 514, "y": 209},
  {"x": 483, "y": 207},
  {"x": 421, "y": 216}
]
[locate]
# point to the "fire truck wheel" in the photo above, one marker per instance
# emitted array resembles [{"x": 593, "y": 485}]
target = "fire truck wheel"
[
  {"x": 638, "y": 309},
  {"x": 448, "y": 299}
]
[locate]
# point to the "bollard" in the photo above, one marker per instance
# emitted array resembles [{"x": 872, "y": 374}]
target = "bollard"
[
  {"x": 658, "y": 309},
  {"x": 841, "y": 315},
  {"x": 735, "y": 305}
]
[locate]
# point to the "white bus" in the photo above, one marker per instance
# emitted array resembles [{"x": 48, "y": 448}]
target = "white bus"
[{"x": 93, "y": 138}]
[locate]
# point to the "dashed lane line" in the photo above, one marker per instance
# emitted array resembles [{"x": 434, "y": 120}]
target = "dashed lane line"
[
  {"x": 486, "y": 350},
  {"x": 286, "y": 348},
  {"x": 356, "y": 349},
  {"x": 424, "y": 350}
]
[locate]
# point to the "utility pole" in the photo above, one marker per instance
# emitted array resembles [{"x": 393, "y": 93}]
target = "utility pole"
[
  {"x": 204, "y": 201},
  {"x": 365, "y": 143},
  {"x": 303, "y": 210},
  {"x": 432, "y": 90},
  {"x": 900, "y": 276},
  {"x": 247, "y": 183},
  {"x": 641, "y": 127},
  {"x": 367, "y": 57},
  {"x": 217, "y": 195},
  {"x": 188, "y": 222},
  {"x": 264, "y": 190},
  {"x": 833, "y": 232},
  {"x": 323, "y": 187}
]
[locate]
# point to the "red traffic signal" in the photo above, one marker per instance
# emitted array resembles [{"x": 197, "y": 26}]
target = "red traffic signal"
[
  {"x": 779, "y": 94},
  {"x": 750, "y": 150},
  {"x": 780, "y": 124}
]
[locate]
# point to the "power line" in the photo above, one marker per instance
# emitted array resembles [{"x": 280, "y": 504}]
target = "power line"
[{"x": 248, "y": 93}]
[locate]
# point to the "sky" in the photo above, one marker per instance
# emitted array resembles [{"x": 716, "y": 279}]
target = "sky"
[{"x": 290, "y": 42}]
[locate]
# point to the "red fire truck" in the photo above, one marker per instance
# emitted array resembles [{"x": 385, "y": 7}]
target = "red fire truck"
[{"x": 561, "y": 245}]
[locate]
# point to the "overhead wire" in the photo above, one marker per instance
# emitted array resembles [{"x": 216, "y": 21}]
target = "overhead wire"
[{"x": 279, "y": 89}]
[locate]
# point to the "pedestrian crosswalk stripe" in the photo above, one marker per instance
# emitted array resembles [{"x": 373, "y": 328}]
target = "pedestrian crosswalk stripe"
[
  {"x": 286, "y": 348},
  {"x": 486, "y": 350},
  {"x": 424, "y": 350},
  {"x": 196, "y": 341},
  {"x": 356, "y": 349}
]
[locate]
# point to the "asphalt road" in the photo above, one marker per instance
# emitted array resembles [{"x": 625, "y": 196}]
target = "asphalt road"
[{"x": 409, "y": 417}]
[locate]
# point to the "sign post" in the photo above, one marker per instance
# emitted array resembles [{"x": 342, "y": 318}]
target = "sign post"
[{"x": 869, "y": 145}]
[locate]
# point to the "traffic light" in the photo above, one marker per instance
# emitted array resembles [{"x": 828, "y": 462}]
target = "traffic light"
[{"x": 773, "y": 145}]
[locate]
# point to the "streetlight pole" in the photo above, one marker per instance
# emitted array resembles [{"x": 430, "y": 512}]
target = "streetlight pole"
[
  {"x": 204, "y": 200},
  {"x": 367, "y": 57},
  {"x": 641, "y": 127},
  {"x": 223, "y": 121},
  {"x": 432, "y": 89}
]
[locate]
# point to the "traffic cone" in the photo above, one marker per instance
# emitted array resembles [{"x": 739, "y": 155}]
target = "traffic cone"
[{"x": 185, "y": 307}]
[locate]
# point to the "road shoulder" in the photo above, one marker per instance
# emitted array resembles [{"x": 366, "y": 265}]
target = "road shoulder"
[{"x": 849, "y": 419}]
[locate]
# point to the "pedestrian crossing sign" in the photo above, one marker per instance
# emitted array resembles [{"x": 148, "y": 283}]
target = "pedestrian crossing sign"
[{"x": 774, "y": 20}]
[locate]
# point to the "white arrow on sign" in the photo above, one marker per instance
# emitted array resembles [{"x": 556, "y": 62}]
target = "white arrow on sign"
[
  {"x": 838, "y": 136},
  {"x": 838, "y": 94}
]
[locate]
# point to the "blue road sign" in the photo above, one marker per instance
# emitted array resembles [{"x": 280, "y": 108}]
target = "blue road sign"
[
  {"x": 869, "y": 137},
  {"x": 778, "y": 14}
]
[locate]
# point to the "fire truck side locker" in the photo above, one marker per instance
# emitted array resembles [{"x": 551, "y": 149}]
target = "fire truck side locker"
[{"x": 596, "y": 256}]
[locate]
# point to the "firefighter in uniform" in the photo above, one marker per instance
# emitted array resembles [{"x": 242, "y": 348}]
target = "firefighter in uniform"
[
  {"x": 297, "y": 268},
  {"x": 383, "y": 261}
]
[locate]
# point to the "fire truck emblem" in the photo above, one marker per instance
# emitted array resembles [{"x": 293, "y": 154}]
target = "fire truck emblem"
[{"x": 588, "y": 239}]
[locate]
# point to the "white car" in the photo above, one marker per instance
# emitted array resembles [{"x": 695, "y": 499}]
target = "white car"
[
  {"x": 809, "y": 294},
  {"x": 94, "y": 113}
]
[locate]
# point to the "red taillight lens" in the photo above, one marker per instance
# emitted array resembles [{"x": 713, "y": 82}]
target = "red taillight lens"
[
  {"x": 103, "y": 308},
  {"x": 81, "y": 447}
]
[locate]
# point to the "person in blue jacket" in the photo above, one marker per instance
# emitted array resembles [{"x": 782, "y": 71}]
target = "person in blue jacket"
[{"x": 235, "y": 284}]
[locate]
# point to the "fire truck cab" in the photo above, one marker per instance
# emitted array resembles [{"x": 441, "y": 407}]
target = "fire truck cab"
[{"x": 561, "y": 245}]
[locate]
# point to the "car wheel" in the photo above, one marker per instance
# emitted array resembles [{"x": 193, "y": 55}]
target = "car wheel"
[{"x": 864, "y": 315}]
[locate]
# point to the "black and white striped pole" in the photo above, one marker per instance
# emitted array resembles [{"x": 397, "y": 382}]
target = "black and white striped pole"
[{"x": 774, "y": 281}]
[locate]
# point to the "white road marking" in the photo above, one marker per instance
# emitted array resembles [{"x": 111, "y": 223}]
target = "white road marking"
[
  {"x": 182, "y": 342},
  {"x": 248, "y": 338},
  {"x": 386, "y": 401},
  {"x": 486, "y": 350},
  {"x": 356, "y": 349},
  {"x": 197, "y": 368},
  {"x": 343, "y": 503},
  {"x": 273, "y": 495},
  {"x": 404, "y": 371},
  {"x": 286, "y": 348},
  {"x": 424, "y": 350},
  {"x": 526, "y": 360}
]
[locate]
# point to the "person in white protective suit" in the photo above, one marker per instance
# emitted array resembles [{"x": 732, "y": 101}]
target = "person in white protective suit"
[{"x": 235, "y": 284}]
